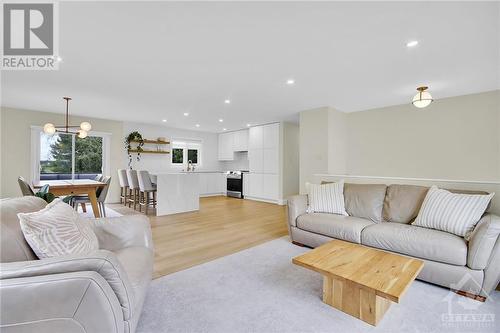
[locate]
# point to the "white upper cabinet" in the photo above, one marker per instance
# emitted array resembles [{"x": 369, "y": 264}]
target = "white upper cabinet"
[
  {"x": 240, "y": 140},
  {"x": 231, "y": 142},
  {"x": 226, "y": 146},
  {"x": 256, "y": 138},
  {"x": 271, "y": 135}
]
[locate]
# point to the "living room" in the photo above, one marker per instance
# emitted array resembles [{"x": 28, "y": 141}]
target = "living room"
[{"x": 211, "y": 166}]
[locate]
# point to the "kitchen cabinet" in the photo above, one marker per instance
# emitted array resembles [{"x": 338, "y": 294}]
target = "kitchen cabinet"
[
  {"x": 231, "y": 142},
  {"x": 212, "y": 183},
  {"x": 226, "y": 145},
  {"x": 264, "y": 163},
  {"x": 240, "y": 140}
]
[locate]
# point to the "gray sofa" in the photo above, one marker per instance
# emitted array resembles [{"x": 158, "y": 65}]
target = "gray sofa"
[
  {"x": 380, "y": 216},
  {"x": 100, "y": 292}
]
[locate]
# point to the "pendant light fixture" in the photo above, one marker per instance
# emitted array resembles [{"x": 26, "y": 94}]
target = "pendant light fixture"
[
  {"x": 82, "y": 130},
  {"x": 423, "y": 98}
]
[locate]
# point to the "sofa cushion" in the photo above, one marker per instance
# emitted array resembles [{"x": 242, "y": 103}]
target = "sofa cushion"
[
  {"x": 402, "y": 202},
  {"x": 326, "y": 198},
  {"x": 365, "y": 200},
  {"x": 13, "y": 246},
  {"x": 337, "y": 226},
  {"x": 416, "y": 242}
]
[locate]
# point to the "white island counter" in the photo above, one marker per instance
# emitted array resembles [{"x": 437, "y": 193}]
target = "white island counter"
[{"x": 176, "y": 192}]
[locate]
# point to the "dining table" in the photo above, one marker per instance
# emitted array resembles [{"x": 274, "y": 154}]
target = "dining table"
[{"x": 74, "y": 187}]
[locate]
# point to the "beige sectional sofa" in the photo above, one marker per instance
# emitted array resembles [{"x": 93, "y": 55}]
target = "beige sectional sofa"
[
  {"x": 380, "y": 216},
  {"x": 100, "y": 292}
]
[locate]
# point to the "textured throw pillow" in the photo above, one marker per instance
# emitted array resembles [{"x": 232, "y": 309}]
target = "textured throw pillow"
[
  {"x": 57, "y": 230},
  {"x": 326, "y": 198},
  {"x": 451, "y": 212}
]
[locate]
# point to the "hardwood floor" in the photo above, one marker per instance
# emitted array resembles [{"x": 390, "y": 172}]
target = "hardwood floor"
[{"x": 222, "y": 226}]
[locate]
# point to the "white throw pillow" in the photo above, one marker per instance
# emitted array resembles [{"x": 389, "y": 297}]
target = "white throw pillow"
[
  {"x": 452, "y": 212},
  {"x": 57, "y": 230},
  {"x": 326, "y": 198}
]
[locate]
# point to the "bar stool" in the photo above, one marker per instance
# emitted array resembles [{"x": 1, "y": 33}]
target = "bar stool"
[
  {"x": 133, "y": 185},
  {"x": 145, "y": 188},
  {"x": 122, "y": 179}
]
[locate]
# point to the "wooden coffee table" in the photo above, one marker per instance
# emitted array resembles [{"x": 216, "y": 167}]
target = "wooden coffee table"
[{"x": 359, "y": 280}]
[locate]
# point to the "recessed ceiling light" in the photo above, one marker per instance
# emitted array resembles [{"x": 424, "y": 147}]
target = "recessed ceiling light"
[
  {"x": 412, "y": 43},
  {"x": 224, "y": 129},
  {"x": 186, "y": 114},
  {"x": 248, "y": 125},
  {"x": 227, "y": 101},
  {"x": 290, "y": 82},
  {"x": 197, "y": 125},
  {"x": 221, "y": 120},
  {"x": 164, "y": 120}
]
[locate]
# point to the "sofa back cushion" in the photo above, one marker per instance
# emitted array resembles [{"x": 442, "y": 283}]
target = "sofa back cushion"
[
  {"x": 402, "y": 202},
  {"x": 13, "y": 246},
  {"x": 365, "y": 200}
]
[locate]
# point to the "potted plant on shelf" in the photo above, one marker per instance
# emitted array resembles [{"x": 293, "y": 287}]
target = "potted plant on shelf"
[{"x": 134, "y": 137}]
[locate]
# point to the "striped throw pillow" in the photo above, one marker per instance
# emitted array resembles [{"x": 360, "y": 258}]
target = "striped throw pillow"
[
  {"x": 326, "y": 198},
  {"x": 57, "y": 230},
  {"x": 451, "y": 212}
]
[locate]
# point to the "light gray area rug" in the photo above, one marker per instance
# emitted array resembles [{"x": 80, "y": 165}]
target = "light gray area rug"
[{"x": 260, "y": 290}]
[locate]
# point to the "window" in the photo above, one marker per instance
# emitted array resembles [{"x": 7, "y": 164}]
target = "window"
[
  {"x": 185, "y": 151},
  {"x": 65, "y": 156},
  {"x": 178, "y": 156}
]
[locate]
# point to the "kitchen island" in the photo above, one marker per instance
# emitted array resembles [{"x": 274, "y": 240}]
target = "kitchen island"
[{"x": 176, "y": 192}]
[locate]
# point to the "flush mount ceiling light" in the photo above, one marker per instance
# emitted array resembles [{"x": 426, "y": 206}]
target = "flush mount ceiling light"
[
  {"x": 164, "y": 120},
  {"x": 186, "y": 114},
  {"x": 423, "y": 98},
  {"x": 412, "y": 43},
  {"x": 221, "y": 120},
  {"x": 227, "y": 101},
  {"x": 82, "y": 132},
  {"x": 290, "y": 82}
]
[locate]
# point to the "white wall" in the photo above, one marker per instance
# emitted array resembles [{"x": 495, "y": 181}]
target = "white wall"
[{"x": 162, "y": 163}]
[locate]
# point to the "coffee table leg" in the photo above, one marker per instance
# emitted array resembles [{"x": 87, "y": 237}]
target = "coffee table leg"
[{"x": 351, "y": 299}]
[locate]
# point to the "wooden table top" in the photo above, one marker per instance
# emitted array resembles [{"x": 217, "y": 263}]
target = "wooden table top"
[
  {"x": 69, "y": 183},
  {"x": 388, "y": 274}
]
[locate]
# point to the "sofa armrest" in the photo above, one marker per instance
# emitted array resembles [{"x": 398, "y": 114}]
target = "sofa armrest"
[
  {"x": 297, "y": 205},
  {"x": 116, "y": 233},
  {"x": 482, "y": 240},
  {"x": 68, "y": 302},
  {"x": 102, "y": 262}
]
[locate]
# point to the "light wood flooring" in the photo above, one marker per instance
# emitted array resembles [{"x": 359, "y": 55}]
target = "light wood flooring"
[{"x": 222, "y": 226}]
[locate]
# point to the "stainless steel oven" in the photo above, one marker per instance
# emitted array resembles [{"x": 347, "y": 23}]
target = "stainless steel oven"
[{"x": 234, "y": 184}]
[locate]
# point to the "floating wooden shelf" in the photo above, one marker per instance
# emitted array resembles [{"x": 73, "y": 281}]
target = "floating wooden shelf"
[
  {"x": 156, "y": 142},
  {"x": 149, "y": 151}
]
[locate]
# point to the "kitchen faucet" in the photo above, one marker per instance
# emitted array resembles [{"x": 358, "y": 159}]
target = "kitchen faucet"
[{"x": 190, "y": 166}]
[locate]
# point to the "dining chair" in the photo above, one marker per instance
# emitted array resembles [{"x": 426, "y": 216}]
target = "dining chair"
[
  {"x": 101, "y": 194},
  {"x": 80, "y": 198},
  {"x": 26, "y": 189},
  {"x": 133, "y": 185},
  {"x": 145, "y": 188},
  {"x": 122, "y": 179}
]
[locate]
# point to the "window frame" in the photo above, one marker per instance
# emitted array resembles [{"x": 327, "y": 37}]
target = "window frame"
[
  {"x": 36, "y": 131},
  {"x": 185, "y": 145}
]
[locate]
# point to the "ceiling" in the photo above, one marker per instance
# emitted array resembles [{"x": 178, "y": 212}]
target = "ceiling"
[{"x": 145, "y": 62}]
